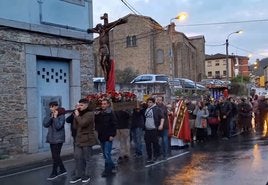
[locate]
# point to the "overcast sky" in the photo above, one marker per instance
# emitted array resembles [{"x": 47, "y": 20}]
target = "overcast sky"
[{"x": 253, "y": 40}]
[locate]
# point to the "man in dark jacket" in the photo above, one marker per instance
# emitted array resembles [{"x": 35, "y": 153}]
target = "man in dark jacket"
[
  {"x": 137, "y": 126},
  {"x": 225, "y": 115},
  {"x": 55, "y": 137},
  {"x": 105, "y": 124},
  {"x": 85, "y": 138},
  {"x": 154, "y": 122},
  {"x": 164, "y": 132},
  {"x": 245, "y": 115}
]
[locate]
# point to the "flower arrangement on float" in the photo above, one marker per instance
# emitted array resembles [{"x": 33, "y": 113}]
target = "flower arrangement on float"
[{"x": 119, "y": 100}]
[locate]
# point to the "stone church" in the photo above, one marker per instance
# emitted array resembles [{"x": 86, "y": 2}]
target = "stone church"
[{"x": 145, "y": 46}]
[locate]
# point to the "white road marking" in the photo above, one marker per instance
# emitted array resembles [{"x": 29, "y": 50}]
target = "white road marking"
[
  {"x": 30, "y": 170},
  {"x": 42, "y": 167},
  {"x": 162, "y": 161}
]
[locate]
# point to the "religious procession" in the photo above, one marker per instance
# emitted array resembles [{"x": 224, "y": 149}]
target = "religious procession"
[{"x": 149, "y": 130}]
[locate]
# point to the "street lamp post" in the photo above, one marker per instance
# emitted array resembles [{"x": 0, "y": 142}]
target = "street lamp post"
[
  {"x": 181, "y": 17},
  {"x": 227, "y": 45}
]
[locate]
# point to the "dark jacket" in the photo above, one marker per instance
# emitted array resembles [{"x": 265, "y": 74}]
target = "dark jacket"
[
  {"x": 56, "y": 131},
  {"x": 164, "y": 110},
  {"x": 70, "y": 120},
  {"x": 84, "y": 125},
  {"x": 122, "y": 119},
  {"x": 137, "y": 120},
  {"x": 191, "y": 107},
  {"x": 225, "y": 108},
  {"x": 105, "y": 125},
  {"x": 213, "y": 110},
  {"x": 244, "y": 110}
]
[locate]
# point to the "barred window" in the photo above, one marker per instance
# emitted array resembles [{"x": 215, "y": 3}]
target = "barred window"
[{"x": 131, "y": 41}]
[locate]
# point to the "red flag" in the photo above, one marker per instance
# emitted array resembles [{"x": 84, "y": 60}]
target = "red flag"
[{"x": 110, "y": 84}]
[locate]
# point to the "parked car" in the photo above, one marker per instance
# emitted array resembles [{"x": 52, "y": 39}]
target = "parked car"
[
  {"x": 200, "y": 87},
  {"x": 150, "y": 78},
  {"x": 185, "y": 83},
  {"x": 214, "y": 82}
]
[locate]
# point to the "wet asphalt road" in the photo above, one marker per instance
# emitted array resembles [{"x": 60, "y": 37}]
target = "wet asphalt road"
[{"x": 242, "y": 160}]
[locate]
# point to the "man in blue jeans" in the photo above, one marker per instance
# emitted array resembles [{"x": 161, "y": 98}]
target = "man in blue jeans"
[
  {"x": 105, "y": 125},
  {"x": 137, "y": 126},
  {"x": 163, "y": 133}
]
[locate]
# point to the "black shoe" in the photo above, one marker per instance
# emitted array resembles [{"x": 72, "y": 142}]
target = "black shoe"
[
  {"x": 62, "y": 172},
  {"x": 126, "y": 158},
  {"x": 138, "y": 155},
  {"x": 149, "y": 160},
  {"x": 75, "y": 180},
  {"x": 85, "y": 178},
  {"x": 52, "y": 177},
  {"x": 114, "y": 170}
]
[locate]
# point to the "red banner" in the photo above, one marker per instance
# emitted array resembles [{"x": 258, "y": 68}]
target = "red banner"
[{"x": 181, "y": 125}]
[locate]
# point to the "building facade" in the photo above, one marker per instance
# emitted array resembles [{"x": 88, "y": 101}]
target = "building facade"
[
  {"x": 45, "y": 55},
  {"x": 145, "y": 46},
  {"x": 215, "y": 66}
]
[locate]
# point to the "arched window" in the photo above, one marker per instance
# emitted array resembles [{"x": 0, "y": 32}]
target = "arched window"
[{"x": 159, "y": 56}]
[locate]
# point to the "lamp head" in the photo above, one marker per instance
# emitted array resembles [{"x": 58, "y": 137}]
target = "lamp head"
[{"x": 182, "y": 16}]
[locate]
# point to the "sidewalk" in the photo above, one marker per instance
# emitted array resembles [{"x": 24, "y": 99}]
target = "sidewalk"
[{"x": 22, "y": 162}]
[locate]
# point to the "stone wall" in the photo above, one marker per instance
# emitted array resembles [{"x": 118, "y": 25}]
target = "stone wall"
[{"x": 13, "y": 111}]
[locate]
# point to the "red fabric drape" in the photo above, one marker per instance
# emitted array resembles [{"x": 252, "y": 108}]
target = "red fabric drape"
[
  {"x": 110, "y": 84},
  {"x": 185, "y": 131}
]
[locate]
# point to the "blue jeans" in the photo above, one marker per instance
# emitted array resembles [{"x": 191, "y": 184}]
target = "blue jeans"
[
  {"x": 106, "y": 150},
  {"x": 137, "y": 135},
  {"x": 165, "y": 142}
]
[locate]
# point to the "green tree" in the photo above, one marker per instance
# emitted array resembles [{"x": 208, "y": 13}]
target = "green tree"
[
  {"x": 241, "y": 79},
  {"x": 125, "y": 76}
]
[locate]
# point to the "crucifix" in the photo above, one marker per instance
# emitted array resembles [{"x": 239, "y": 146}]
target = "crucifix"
[{"x": 104, "y": 48}]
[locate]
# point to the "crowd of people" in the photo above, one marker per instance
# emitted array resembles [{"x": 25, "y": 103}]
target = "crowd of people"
[{"x": 155, "y": 124}]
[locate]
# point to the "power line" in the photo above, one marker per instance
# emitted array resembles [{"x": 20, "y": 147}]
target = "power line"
[
  {"x": 246, "y": 50},
  {"x": 241, "y": 48},
  {"x": 136, "y": 12},
  {"x": 130, "y": 7},
  {"x": 215, "y": 44},
  {"x": 220, "y": 23}
]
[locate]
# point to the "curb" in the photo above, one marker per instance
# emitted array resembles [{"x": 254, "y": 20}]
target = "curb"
[{"x": 26, "y": 162}]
